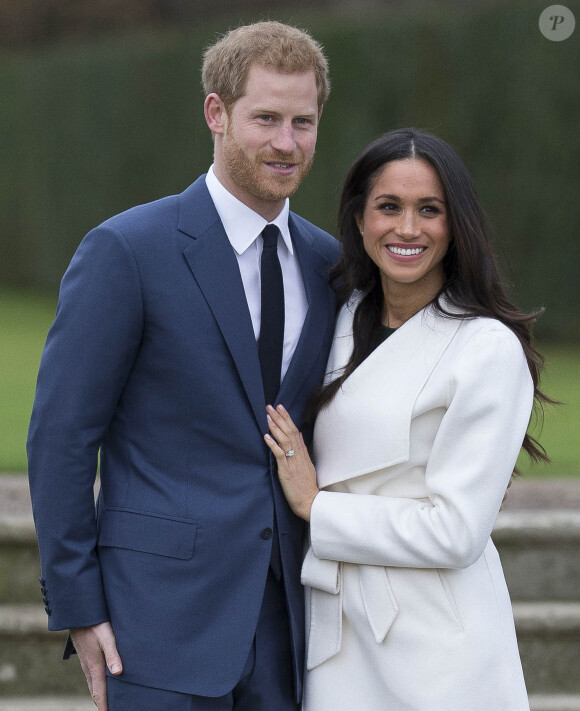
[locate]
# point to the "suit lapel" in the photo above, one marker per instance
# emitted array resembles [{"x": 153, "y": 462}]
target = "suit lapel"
[
  {"x": 215, "y": 268},
  {"x": 314, "y": 269}
]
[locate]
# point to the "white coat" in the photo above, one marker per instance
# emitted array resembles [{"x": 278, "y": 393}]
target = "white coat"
[{"x": 407, "y": 606}]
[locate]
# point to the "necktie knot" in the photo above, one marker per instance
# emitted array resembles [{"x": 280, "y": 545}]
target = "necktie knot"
[{"x": 270, "y": 236}]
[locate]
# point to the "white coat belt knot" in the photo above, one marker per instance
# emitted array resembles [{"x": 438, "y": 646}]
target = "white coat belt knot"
[{"x": 324, "y": 578}]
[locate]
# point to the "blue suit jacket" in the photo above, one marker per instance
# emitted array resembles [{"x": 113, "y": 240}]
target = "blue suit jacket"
[{"x": 152, "y": 360}]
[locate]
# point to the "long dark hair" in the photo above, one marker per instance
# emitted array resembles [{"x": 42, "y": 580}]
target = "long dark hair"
[{"x": 472, "y": 282}]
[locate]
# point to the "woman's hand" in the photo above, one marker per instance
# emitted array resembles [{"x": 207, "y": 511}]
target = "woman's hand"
[{"x": 295, "y": 469}]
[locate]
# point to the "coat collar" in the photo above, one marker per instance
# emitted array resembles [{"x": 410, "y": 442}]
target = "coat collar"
[
  {"x": 378, "y": 397},
  {"x": 214, "y": 266}
]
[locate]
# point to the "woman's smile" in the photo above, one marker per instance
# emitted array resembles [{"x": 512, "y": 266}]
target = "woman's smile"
[{"x": 405, "y": 226}]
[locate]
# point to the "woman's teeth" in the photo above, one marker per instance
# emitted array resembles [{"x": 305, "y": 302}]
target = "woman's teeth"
[{"x": 406, "y": 252}]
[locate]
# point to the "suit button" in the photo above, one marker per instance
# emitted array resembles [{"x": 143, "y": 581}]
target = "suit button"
[{"x": 267, "y": 533}]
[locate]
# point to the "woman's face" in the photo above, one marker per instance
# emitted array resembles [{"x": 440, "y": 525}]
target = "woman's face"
[{"x": 405, "y": 226}]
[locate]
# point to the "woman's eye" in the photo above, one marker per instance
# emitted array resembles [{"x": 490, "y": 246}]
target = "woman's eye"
[
  {"x": 430, "y": 209},
  {"x": 388, "y": 206}
]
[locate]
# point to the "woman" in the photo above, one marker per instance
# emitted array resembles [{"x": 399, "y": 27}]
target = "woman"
[{"x": 430, "y": 386}]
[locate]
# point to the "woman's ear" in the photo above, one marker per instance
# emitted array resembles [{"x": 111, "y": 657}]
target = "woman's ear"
[{"x": 360, "y": 224}]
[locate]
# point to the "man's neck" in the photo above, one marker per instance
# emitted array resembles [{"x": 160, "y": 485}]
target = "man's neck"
[{"x": 268, "y": 209}]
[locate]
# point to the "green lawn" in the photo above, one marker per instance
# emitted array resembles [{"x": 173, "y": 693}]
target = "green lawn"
[
  {"x": 561, "y": 427},
  {"x": 24, "y": 322},
  {"x": 25, "y": 319}
]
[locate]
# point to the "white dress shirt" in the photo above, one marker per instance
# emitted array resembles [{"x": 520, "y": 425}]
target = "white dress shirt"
[{"x": 243, "y": 227}]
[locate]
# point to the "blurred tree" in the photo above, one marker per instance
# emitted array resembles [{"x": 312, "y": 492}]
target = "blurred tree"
[{"x": 34, "y": 21}]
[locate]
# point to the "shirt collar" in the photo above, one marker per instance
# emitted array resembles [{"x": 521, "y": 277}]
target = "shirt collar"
[{"x": 241, "y": 223}]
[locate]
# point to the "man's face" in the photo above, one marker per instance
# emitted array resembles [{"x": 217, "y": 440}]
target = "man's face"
[{"x": 268, "y": 143}]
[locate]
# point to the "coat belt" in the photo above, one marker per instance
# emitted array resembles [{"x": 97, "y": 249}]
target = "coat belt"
[{"x": 325, "y": 580}]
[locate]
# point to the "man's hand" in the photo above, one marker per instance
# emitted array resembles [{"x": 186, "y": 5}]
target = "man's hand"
[{"x": 97, "y": 649}]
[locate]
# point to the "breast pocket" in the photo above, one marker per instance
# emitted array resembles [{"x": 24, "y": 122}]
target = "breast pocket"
[{"x": 148, "y": 533}]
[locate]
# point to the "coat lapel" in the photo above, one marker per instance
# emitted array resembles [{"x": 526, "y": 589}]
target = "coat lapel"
[
  {"x": 374, "y": 408},
  {"x": 314, "y": 268},
  {"x": 215, "y": 268}
]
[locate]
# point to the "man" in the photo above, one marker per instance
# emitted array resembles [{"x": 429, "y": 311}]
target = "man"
[{"x": 177, "y": 321}]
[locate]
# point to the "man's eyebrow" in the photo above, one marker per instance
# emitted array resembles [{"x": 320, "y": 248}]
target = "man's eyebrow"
[{"x": 306, "y": 114}]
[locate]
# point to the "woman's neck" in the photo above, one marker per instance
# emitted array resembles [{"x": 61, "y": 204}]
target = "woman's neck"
[{"x": 402, "y": 301}]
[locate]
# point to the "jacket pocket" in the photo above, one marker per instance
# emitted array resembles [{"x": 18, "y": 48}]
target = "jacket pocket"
[
  {"x": 450, "y": 597},
  {"x": 148, "y": 533}
]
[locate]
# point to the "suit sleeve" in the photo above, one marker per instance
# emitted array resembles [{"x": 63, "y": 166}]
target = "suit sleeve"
[
  {"x": 490, "y": 396},
  {"x": 89, "y": 353}
]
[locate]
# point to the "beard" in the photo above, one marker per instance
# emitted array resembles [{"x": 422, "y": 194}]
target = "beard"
[{"x": 250, "y": 173}]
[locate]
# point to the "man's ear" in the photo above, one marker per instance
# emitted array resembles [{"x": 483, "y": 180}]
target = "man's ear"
[{"x": 215, "y": 114}]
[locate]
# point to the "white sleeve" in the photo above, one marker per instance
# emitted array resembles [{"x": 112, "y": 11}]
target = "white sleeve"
[{"x": 473, "y": 456}]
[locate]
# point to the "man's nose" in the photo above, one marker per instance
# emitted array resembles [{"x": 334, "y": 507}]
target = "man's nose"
[{"x": 284, "y": 140}]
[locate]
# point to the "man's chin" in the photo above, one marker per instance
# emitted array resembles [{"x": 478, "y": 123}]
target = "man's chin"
[{"x": 282, "y": 187}]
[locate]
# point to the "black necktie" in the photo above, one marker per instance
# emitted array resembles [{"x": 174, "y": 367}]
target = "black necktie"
[{"x": 271, "y": 341}]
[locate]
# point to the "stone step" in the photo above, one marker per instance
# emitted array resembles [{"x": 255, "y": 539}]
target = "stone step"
[
  {"x": 557, "y": 702},
  {"x": 31, "y": 657},
  {"x": 539, "y": 702},
  {"x": 52, "y": 703},
  {"x": 19, "y": 559},
  {"x": 538, "y": 549},
  {"x": 549, "y": 643},
  {"x": 539, "y": 553},
  {"x": 548, "y": 636}
]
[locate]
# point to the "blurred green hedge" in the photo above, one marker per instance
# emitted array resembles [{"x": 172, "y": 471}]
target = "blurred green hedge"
[{"x": 90, "y": 130}]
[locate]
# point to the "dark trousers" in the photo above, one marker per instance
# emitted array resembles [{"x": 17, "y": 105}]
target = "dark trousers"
[{"x": 266, "y": 683}]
